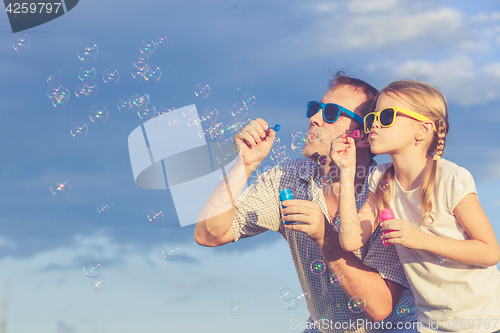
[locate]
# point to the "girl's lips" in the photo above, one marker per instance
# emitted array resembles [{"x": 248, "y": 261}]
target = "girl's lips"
[{"x": 372, "y": 133}]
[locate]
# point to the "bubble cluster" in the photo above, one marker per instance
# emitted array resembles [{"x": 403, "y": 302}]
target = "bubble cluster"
[
  {"x": 79, "y": 129},
  {"x": 202, "y": 90},
  {"x": 278, "y": 154},
  {"x": 235, "y": 308},
  {"x": 161, "y": 40},
  {"x": 147, "y": 47},
  {"x": 301, "y": 295},
  {"x": 356, "y": 304},
  {"x": 110, "y": 76},
  {"x": 82, "y": 91},
  {"x": 402, "y": 310},
  {"x": 103, "y": 209},
  {"x": 92, "y": 269},
  {"x": 141, "y": 60},
  {"x": 123, "y": 104},
  {"x": 98, "y": 114},
  {"x": 86, "y": 73},
  {"x": 139, "y": 99},
  {"x": 58, "y": 94},
  {"x": 92, "y": 88},
  {"x": 98, "y": 285},
  {"x": 138, "y": 72},
  {"x": 153, "y": 74},
  {"x": 367, "y": 208},
  {"x": 248, "y": 100},
  {"x": 337, "y": 278},
  {"x": 170, "y": 252},
  {"x": 155, "y": 216},
  {"x": 292, "y": 304},
  {"x": 21, "y": 42},
  {"x": 385, "y": 186},
  {"x": 298, "y": 142},
  {"x": 60, "y": 187},
  {"x": 318, "y": 266},
  {"x": 442, "y": 261},
  {"x": 87, "y": 51},
  {"x": 286, "y": 294}
]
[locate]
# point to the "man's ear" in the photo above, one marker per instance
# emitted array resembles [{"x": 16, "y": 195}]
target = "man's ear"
[{"x": 363, "y": 140}]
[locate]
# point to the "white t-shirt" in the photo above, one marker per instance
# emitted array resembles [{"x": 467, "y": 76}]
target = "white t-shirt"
[{"x": 450, "y": 296}]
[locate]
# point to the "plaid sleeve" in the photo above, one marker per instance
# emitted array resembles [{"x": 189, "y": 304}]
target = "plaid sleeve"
[
  {"x": 385, "y": 260},
  {"x": 258, "y": 208}
]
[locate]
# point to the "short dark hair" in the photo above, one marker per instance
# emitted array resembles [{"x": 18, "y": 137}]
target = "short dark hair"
[{"x": 342, "y": 79}]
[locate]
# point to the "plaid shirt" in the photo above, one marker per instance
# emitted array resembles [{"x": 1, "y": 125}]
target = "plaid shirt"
[{"x": 259, "y": 209}]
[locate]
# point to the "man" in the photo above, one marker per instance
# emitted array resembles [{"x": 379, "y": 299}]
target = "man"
[{"x": 370, "y": 285}]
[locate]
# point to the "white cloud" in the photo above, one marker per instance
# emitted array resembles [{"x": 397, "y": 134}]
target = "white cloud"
[
  {"x": 486, "y": 17},
  {"x": 372, "y": 6},
  {"x": 5, "y": 243},
  {"x": 459, "y": 79}
]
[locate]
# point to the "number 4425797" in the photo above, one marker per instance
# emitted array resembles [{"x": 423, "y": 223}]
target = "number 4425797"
[{"x": 32, "y": 7}]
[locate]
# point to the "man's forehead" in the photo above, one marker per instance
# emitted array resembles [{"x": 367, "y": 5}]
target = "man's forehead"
[{"x": 346, "y": 96}]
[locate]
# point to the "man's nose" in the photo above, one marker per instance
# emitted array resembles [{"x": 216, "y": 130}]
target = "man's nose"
[{"x": 317, "y": 119}]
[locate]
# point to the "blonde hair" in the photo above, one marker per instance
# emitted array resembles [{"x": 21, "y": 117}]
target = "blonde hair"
[{"x": 427, "y": 100}]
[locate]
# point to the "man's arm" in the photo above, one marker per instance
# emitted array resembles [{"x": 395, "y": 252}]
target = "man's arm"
[
  {"x": 381, "y": 296},
  {"x": 216, "y": 218}
]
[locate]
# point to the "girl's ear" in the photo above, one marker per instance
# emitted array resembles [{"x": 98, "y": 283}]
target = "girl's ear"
[{"x": 426, "y": 129}]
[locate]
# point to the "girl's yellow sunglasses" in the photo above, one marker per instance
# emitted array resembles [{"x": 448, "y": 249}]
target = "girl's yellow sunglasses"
[{"x": 387, "y": 116}]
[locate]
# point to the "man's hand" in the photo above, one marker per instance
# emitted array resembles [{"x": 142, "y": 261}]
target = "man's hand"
[
  {"x": 254, "y": 142},
  {"x": 310, "y": 214},
  {"x": 402, "y": 232}
]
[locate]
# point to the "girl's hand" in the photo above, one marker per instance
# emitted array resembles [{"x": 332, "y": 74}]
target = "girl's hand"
[
  {"x": 402, "y": 232},
  {"x": 343, "y": 152}
]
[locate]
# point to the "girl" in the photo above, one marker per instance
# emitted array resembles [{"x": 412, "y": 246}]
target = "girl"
[{"x": 442, "y": 235}]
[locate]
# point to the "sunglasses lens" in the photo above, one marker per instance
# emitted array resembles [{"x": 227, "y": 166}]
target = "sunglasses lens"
[
  {"x": 369, "y": 121},
  {"x": 312, "y": 109},
  {"x": 332, "y": 113},
  {"x": 386, "y": 117}
]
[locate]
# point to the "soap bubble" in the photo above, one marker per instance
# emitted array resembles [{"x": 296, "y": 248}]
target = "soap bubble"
[
  {"x": 147, "y": 112},
  {"x": 138, "y": 72},
  {"x": 49, "y": 78},
  {"x": 92, "y": 88},
  {"x": 356, "y": 304},
  {"x": 86, "y": 73},
  {"x": 345, "y": 228},
  {"x": 292, "y": 304},
  {"x": 103, "y": 209},
  {"x": 325, "y": 183},
  {"x": 98, "y": 284},
  {"x": 82, "y": 91},
  {"x": 301, "y": 295},
  {"x": 139, "y": 99},
  {"x": 335, "y": 222},
  {"x": 147, "y": 46},
  {"x": 385, "y": 186},
  {"x": 235, "y": 126},
  {"x": 165, "y": 108},
  {"x": 249, "y": 100},
  {"x": 174, "y": 122},
  {"x": 79, "y": 129},
  {"x": 286, "y": 294},
  {"x": 92, "y": 269},
  {"x": 202, "y": 90},
  {"x": 141, "y": 60},
  {"x": 216, "y": 130},
  {"x": 110, "y": 76},
  {"x": 370, "y": 211},
  {"x": 337, "y": 278},
  {"x": 54, "y": 90},
  {"x": 87, "y": 51},
  {"x": 155, "y": 216},
  {"x": 161, "y": 40},
  {"x": 323, "y": 160},
  {"x": 442, "y": 261},
  {"x": 235, "y": 308},
  {"x": 208, "y": 116},
  {"x": 61, "y": 99},
  {"x": 170, "y": 252},
  {"x": 123, "y": 104},
  {"x": 463, "y": 205},
  {"x": 318, "y": 266},
  {"x": 98, "y": 114},
  {"x": 298, "y": 144},
  {"x": 239, "y": 110},
  {"x": 402, "y": 310},
  {"x": 60, "y": 187},
  {"x": 21, "y": 42},
  {"x": 153, "y": 74}
]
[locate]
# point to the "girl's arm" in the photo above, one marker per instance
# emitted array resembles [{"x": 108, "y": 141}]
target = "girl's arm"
[{"x": 482, "y": 249}]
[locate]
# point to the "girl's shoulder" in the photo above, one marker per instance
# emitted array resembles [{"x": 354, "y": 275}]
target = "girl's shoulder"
[{"x": 448, "y": 171}]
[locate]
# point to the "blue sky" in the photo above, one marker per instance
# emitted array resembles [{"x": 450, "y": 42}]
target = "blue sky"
[{"x": 282, "y": 53}]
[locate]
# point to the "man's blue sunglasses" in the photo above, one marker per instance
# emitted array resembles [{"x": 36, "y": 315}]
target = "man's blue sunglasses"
[{"x": 331, "y": 111}]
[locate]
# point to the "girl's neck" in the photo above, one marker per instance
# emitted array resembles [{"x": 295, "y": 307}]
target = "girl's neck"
[{"x": 410, "y": 169}]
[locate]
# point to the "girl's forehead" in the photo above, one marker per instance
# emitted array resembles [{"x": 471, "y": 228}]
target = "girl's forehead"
[{"x": 390, "y": 99}]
